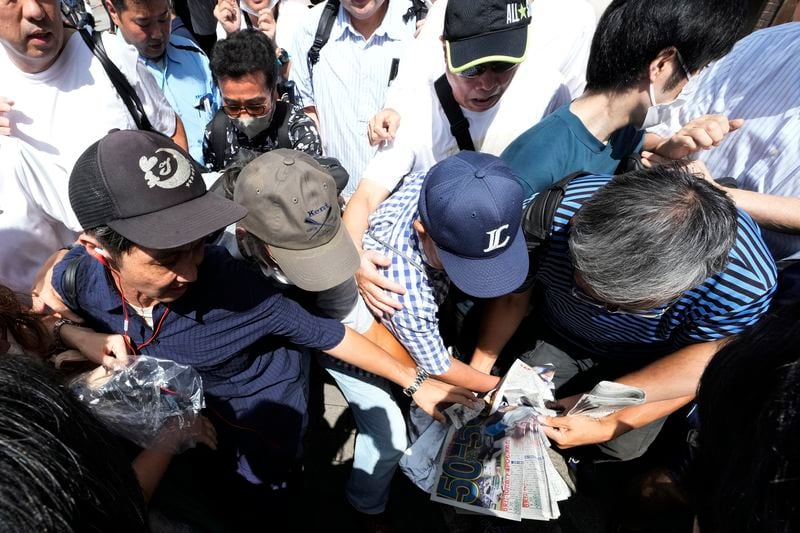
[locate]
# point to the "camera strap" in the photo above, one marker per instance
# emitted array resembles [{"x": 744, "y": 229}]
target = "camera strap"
[{"x": 126, "y": 92}]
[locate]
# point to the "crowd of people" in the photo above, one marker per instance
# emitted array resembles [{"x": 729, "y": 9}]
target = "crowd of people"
[{"x": 411, "y": 195}]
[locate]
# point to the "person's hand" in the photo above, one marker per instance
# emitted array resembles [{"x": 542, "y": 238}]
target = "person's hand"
[
  {"x": 5, "y": 122},
  {"x": 266, "y": 23},
  {"x": 433, "y": 392},
  {"x": 229, "y": 15},
  {"x": 563, "y": 405},
  {"x": 45, "y": 299},
  {"x": 701, "y": 133},
  {"x": 696, "y": 167},
  {"x": 570, "y": 431},
  {"x": 372, "y": 284},
  {"x": 109, "y": 350},
  {"x": 174, "y": 439},
  {"x": 383, "y": 126}
]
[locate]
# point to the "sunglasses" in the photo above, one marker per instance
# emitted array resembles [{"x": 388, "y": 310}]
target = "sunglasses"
[
  {"x": 498, "y": 67},
  {"x": 254, "y": 110},
  {"x": 578, "y": 294}
]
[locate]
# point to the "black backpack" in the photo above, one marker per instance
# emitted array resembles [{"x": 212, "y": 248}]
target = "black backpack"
[
  {"x": 418, "y": 10},
  {"x": 537, "y": 221}
]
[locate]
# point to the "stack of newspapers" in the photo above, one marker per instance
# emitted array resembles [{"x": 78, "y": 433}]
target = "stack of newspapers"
[{"x": 494, "y": 459}]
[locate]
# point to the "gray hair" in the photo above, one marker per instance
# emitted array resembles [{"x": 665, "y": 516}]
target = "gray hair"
[{"x": 648, "y": 236}]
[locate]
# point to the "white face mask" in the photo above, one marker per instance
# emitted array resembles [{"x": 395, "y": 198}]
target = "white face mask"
[
  {"x": 659, "y": 113},
  {"x": 252, "y": 126}
]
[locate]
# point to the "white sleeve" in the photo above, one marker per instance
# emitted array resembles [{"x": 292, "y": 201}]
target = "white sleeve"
[
  {"x": 46, "y": 185},
  {"x": 390, "y": 165},
  {"x": 161, "y": 115}
]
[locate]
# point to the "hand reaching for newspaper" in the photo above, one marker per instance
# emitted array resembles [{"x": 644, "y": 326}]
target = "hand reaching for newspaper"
[
  {"x": 571, "y": 431},
  {"x": 434, "y": 392}
]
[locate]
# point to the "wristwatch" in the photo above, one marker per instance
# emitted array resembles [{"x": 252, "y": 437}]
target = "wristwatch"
[
  {"x": 422, "y": 375},
  {"x": 60, "y": 346}
]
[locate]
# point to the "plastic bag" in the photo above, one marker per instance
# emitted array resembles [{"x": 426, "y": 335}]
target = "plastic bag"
[{"x": 151, "y": 402}]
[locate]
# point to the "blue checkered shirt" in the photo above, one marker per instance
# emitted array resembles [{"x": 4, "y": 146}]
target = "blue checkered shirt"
[{"x": 391, "y": 234}]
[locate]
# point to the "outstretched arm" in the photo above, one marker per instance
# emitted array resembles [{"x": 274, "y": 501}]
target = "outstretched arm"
[{"x": 357, "y": 350}]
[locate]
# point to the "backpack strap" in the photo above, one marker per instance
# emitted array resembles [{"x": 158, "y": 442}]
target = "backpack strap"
[
  {"x": 126, "y": 92},
  {"x": 459, "y": 125},
  {"x": 219, "y": 138},
  {"x": 281, "y": 118},
  {"x": 537, "y": 223},
  {"x": 326, "y": 20}
]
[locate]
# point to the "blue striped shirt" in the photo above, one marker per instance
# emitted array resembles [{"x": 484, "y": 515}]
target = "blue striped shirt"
[
  {"x": 241, "y": 335},
  {"x": 759, "y": 81},
  {"x": 349, "y": 83},
  {"x": 391, "y": 234},
  {"x": 723, "y": 305}
]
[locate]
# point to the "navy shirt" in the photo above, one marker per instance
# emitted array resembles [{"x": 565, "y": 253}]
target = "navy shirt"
[
  {"x": 560, "y": 144},
  {"x": 724, "y": 304},
  {"x": 240, "y": 334}
]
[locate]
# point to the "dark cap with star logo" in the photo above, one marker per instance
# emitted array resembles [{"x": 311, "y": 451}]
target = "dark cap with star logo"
[{"x": 483, "y": 31}]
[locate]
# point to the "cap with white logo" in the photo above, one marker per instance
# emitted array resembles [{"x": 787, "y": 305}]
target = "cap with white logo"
[
  {"x": 471, "y": 206},
  {"x": 482, "y": 31},
  {"x": 147, "y": 189}
]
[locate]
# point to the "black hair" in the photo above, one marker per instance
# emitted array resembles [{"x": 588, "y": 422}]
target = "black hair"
[
  {"x": 631, "y": 34},
  {"x": 60, "y": 468},
  {"x": 747, "y": 472},
  {"x": 122, "y": 5},
  {"x": 25, "y": 327},
  {"x": 112, "y": 242},
  {"x": 245, "y": 52}
]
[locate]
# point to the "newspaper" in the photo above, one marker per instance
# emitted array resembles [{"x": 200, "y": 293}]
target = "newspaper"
[
  {"x": 605, "y": 398},
  {"x": 495, "y": 462}
]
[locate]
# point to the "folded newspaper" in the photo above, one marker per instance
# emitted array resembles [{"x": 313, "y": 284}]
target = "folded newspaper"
[{"x": 494, "y": 459}]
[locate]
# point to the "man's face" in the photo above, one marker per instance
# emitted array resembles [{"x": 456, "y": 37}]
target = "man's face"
[
  {"x": 31, "y": 32},
  {"x": 249, "y": 90},
  {"x": 363, "y": 9},
  {"x": 482, "y": 92},
  {"x": 159, "y": 275},
  {"x": 145, "y": 24}
]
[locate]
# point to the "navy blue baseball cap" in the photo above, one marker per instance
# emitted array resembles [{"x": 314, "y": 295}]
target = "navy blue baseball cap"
[{"x": 471, "y": 206}]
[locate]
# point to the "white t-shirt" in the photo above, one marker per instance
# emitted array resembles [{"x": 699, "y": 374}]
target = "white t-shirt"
[
  {"x": 35, "y": 216},
  {"x": 424, "y": 137},
  {"x": 57, "y": 114},
  {"x": 560, "y": 33},
  {"x": 60, "y": 112}
]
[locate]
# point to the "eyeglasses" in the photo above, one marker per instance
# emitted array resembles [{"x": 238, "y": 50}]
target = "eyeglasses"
[
  {"x": 254, "y": 110},
  {"x": 683, "y": 65},
  {"x": 498, "y": 67},
  {"x": 578, "y": 294}
]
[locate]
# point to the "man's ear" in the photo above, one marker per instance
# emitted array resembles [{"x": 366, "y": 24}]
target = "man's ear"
[
  {"x": 420, "y": 229},
  {"x": 94, "y": 248},
  {"x": 112, "y": 12},
  {"x": 658, "y": 66}
]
